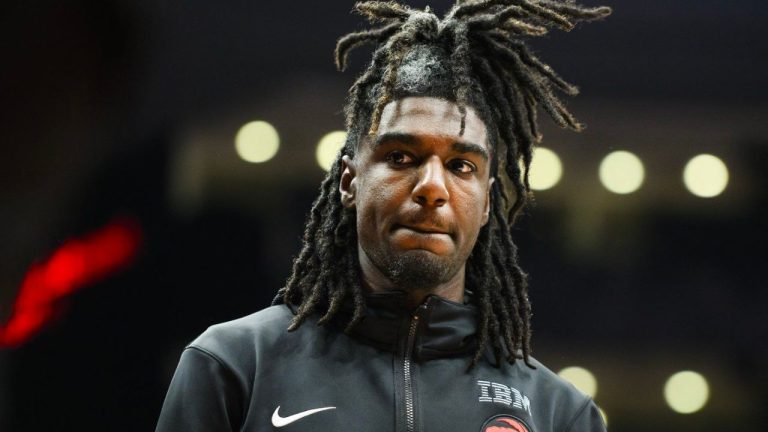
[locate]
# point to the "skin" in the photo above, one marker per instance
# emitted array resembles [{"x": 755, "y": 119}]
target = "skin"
[{"x": 421, "y": 194}]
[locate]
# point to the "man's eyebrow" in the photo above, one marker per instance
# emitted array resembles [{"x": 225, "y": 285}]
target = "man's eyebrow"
[
  {"x": 467, "y": 147},
  {"x": 412, "y": 140},
  {"x": 395, "y": 137}
]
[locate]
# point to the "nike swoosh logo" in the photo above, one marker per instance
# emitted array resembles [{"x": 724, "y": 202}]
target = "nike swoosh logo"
[{"x": 278, "y": 421}]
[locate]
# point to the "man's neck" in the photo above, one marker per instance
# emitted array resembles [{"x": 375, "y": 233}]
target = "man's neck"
[{"x": 374, "y": 281}]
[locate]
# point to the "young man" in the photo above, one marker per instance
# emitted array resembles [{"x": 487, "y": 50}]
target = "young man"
[{"x": 406, "y": 309}]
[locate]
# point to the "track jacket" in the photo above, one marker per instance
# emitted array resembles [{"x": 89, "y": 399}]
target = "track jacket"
[{"x": 399, "y": 370}]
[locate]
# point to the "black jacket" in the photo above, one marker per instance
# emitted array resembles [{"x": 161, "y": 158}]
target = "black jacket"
[{"x": 397, "y": 371}]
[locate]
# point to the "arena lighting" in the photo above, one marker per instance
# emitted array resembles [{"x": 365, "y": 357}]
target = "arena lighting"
[
  {"x": 686, "y": 392},
  {"x": 74, "y": 265},
  {"x": 546, "y": 169},
  {"x": 621, "y": 172},
  {"x": 328, "y": 148},
  {"x": 705, "y": 176},
  {"x": 257, "y": 142},
  {"x": 581, "y": 378}
]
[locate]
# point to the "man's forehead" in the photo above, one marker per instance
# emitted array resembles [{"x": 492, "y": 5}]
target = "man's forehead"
[{"x": 426, "y": 115}]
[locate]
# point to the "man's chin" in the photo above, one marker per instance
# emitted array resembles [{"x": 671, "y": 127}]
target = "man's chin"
[{"x": 417, "y": 269}]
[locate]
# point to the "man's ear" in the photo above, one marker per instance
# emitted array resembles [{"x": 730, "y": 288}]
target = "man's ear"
[
  {"x": 348, "y": 183},
  {"x": 487, "y": 209}
]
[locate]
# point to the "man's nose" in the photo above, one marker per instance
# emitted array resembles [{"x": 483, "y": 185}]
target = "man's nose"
[{"x": 431, "y": 189}]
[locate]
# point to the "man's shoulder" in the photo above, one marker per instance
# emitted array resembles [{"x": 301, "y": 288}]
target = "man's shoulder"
[
  {"x": 240, "y": 339},
  {"x": 544, "y": 372},
  {"x": 548, "y": 382}
]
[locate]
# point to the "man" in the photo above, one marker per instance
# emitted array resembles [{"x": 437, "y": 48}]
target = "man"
[{"x": 406, "y": 309}]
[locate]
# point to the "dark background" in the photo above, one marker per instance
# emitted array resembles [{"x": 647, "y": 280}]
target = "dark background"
[{"x": 118, "y": 107}]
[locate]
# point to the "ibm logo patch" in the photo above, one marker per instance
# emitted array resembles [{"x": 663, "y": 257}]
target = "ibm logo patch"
[{"x": 499, "y": 393}]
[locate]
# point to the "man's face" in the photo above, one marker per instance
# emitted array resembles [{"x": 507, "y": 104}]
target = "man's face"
[{"x": 421, "y": 191}]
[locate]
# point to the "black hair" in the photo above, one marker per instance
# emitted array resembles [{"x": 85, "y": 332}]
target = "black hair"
[{"x": 475, "y": 56}]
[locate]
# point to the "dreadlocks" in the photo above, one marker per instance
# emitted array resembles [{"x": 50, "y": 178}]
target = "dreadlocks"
[{"x": 485, "y": 65}]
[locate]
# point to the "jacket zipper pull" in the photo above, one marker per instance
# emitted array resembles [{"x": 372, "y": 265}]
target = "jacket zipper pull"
[
  {"x": 410, "y": 403},
  {"x": 410, "y": 414}
]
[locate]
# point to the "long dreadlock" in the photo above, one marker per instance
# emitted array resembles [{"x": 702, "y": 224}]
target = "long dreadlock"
[{"x": 489, "y": 68}]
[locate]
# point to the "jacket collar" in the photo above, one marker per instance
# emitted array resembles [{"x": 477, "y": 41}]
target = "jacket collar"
[{"x": 443, "y": 329}]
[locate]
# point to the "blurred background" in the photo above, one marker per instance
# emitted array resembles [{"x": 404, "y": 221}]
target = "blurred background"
[{"x": 158, "y": 160}]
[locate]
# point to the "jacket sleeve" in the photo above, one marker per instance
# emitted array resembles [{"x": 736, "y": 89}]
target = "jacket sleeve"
[
  {"x": 588, "y": 419},
  {"x": 204, "y": 395}
]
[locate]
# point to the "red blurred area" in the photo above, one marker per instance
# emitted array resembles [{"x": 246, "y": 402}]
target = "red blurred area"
[{"x": 76, "y": 264}]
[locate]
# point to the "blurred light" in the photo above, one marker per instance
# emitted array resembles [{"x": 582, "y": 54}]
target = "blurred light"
[
  {"x": 686, "y": 392},
  {"x": 328, "y": 148},
  {"x": 546, "y": 169},
  {"x": 257, "y": 142},
  {"x": 74, "y": 265},
  {"x": 581, "y": 378},
  {"x": 603, "y": 415},
  {"x": 705, "y": 176},
  {"x": 621, "y": 172}
]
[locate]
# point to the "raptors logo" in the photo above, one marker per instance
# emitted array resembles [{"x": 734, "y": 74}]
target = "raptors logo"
[{"x": 504, "y": 423}]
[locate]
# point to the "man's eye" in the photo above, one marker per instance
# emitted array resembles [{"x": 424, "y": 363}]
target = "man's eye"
[
  {"x": 399, "y": 158},
  {"x": 462, "y": 166}
]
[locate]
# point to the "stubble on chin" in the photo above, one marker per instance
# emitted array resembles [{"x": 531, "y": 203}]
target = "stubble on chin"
[{"x": 416, "y": 270}]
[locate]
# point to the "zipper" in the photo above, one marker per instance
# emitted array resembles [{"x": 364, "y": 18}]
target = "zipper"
[{"x": 410, "y": 414}]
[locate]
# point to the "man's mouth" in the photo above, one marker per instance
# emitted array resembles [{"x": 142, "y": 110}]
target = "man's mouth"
[
  {"x": 432, "y": 238},
  {"x": 424, "y": 229}
]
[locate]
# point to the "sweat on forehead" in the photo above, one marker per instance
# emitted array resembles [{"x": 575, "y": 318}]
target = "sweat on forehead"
[{"x": 432, "y": 116}]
